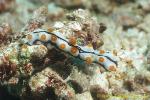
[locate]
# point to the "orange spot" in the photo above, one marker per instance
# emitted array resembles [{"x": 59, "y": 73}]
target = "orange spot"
[
  {"x": 50, "y": 29},
  {"x": 29, "y": 37},
  {"x": 62, "y": 46},
  {"x": 73, "y": 50},
  {"x": 43, "y": 37},
  {"x": 72, "y": 40},
  {"x": 112, "y": 68},
  {"x": 53, "y": 38},
  {"x": 101, "y": 59},
  {"x": 101, "y": 51},
  {"x": 88, "y": 60}
]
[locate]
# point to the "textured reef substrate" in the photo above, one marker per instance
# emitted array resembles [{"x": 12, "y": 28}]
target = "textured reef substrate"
[{"x": 41, "y": 71}]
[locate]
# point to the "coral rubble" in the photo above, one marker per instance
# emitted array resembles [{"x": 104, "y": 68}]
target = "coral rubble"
[{"x": 62, "y": 54}]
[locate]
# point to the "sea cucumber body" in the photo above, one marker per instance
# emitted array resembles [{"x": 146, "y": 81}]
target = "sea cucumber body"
[{"x": 88, "y": 54}]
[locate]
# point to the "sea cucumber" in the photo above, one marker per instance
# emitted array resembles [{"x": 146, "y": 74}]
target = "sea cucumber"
[{"x": 85, "y": 53}]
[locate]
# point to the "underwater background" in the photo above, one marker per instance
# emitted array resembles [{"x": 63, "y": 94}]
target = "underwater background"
[{"x": 75, "y": 49}]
